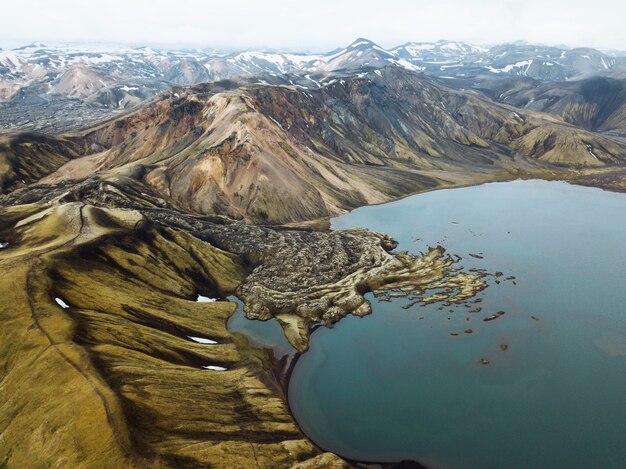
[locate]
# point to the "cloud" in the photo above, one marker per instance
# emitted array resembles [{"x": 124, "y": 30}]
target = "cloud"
[{"x": 318, "y": 25}]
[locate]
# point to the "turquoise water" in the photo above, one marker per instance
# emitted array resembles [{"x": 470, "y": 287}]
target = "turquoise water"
[
  {"x": 396, "y": 385},
  {"x": 261, "y": 334}
]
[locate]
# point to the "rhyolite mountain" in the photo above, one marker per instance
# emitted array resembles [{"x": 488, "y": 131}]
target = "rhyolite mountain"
[{"x": 285, "y": 154}]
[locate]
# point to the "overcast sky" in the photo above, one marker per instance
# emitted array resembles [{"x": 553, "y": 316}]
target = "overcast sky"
[{"x": 315, "y": 25}]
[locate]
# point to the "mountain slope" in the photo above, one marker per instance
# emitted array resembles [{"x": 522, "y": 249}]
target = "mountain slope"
[
  {"x": 596, "y": 104},
  {"x": 281, "y": 154},
  {"x": 26, "y": 158},
  {"x": 102, "y": 365}
]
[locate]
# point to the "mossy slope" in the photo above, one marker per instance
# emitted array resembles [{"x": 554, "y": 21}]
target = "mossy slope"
[{"x": 114, "y": 380}]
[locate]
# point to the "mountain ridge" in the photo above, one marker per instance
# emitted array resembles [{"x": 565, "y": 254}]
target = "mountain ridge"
[
  {"x": 55, "y": 89},
  {"x": 283, "y": 154}
]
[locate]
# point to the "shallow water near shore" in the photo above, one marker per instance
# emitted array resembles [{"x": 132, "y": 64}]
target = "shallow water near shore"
[
  {"x": 397, "y": 385},
  {"x": 261, "y": 334}
]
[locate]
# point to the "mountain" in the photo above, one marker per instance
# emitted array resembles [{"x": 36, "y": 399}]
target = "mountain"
[
  {"x": 552, "y": 63},
  {"x": 444, "y": 58},
  {"x": 362, "y": 53},
  {"x": 597, "y": 104},
  {"x": 107, "y": 351},
  {"x": 38, "y": 62},
  {"x": 438, "y": 51},
  {"x": 455, "y": 60},
  {"x": 186, "y": 72},
  {"x": 284, "y": 153},
  {"x": 28, "y": 157},
  {"x": 38, "y": 81},
  {"x": 79, "y": 81}
]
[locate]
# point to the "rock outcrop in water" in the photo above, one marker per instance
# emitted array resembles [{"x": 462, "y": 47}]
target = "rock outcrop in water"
[{"x": 304, "y": 278}]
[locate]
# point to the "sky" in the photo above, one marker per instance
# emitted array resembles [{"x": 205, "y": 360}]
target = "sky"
[{"x": 316, "y": 25}]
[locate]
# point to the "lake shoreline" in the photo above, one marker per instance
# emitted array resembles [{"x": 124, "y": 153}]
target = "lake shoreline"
[
  {"x": 283, "y": 370},
  {"x": 549, "y": 205},
  {"x": 571, "y": 176}
]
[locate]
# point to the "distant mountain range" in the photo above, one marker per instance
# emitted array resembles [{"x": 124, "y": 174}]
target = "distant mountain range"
[{"x": 118, "y": 77}]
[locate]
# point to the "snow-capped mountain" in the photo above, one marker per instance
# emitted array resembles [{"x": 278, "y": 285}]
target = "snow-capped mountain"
[
  {"x": 86, "y": 71},
  {"x": 254, "y": 62},
  {"x": 552, "y": 63},
  {"x": 110, "y": 77},
  {"x": 81, "y": 71},
  {"x": 438, "y": 51},
  {"x": 449, "y": 59},
  {"x": 362, "y": 53}
]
